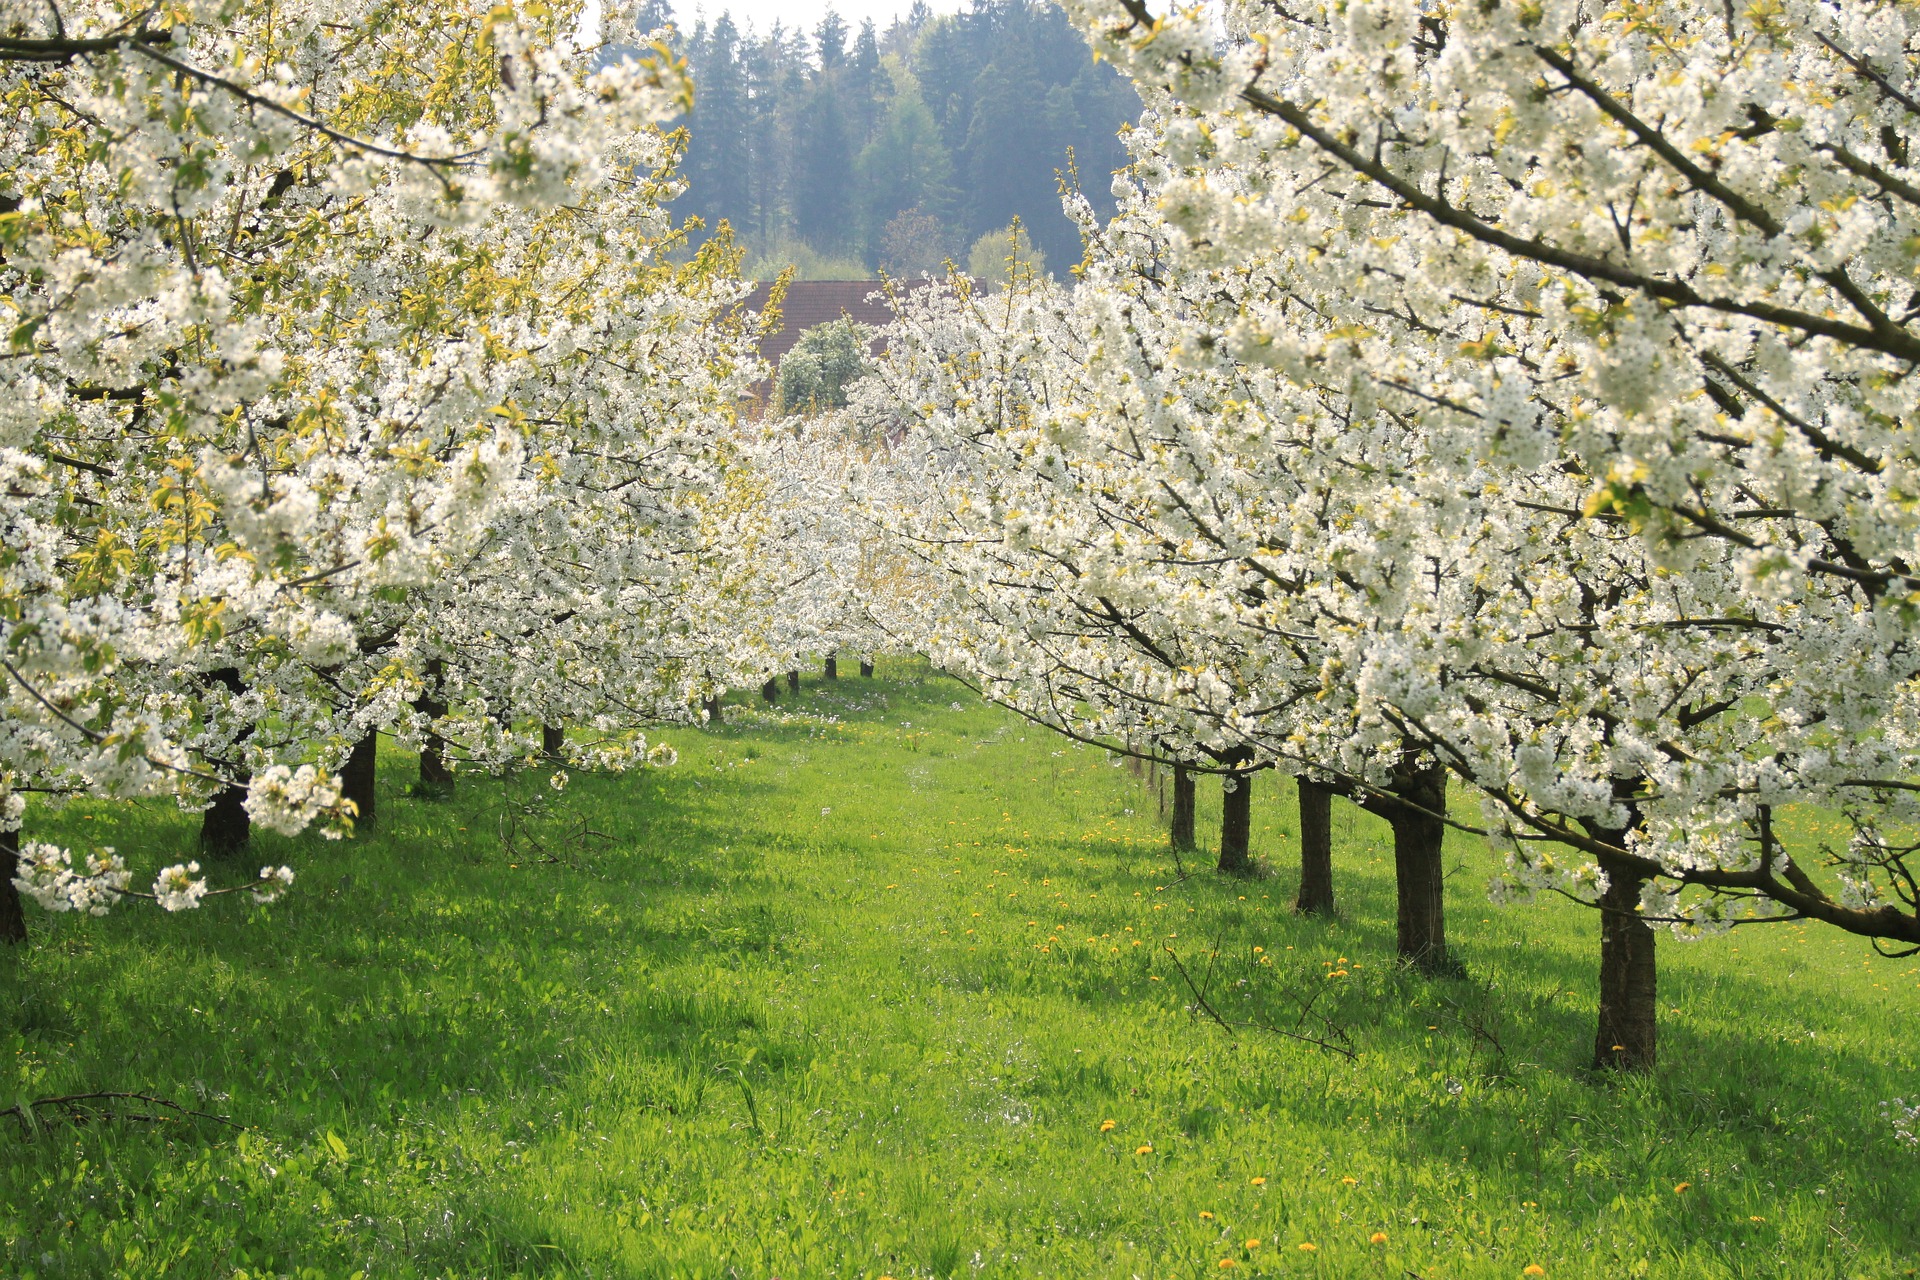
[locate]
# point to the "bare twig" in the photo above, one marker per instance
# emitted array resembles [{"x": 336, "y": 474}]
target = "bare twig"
[{"x": 75, "y": 1107}]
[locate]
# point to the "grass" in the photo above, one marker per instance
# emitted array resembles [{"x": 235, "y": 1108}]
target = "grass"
[{"x": 853, "y": 991}]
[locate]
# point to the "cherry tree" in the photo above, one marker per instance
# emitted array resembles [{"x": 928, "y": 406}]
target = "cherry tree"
[
  {"x": 1656, "y": 263},
  {"x": 303, "y": 303}
]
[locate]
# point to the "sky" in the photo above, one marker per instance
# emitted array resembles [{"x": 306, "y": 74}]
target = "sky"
[{"x": 762, "y": 14}]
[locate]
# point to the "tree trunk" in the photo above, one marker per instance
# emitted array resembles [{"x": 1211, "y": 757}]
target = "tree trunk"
[
  {"x": 435, "y": 778},
  {"x": 553, "y": 741},
  {"x": 866, "y": 668},
  {"x": 226, "y": 829},
  {"x": 1180, "y": 830},
  {"x": 1418, "y": 868},
  {"x": 1624, "y": 1040},
  {"x": 833, "y": 667},
  {"x": 1316, "y": 849},
  {"x": 357, "y": 777},
  {"x": 1236, "y": 823},
  {"x": 13, "y": 920},
  {"x": 714, "y": 713},
  {"x": 771, "y": 690},
  {"x": 793, "y": 682}
]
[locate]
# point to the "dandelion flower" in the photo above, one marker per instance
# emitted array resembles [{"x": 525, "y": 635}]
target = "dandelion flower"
[
  {"x": 1206, "y": 1216},
  {"x": 1227, "y": 1262},
  {"x": 1306, "y": 1247},
  {"x": 1259, "y": 1182},
  {"x": 1253, "y": 1244},
  {"x": 1144, "y": 1149},
  {"x": 1106, "y": 1126},
  {"x": 1755, "y": 1218},
  {"x": 1351, "y": 1181},
  {"x": 1679, "y": 1188},
  {"x": 1378, "y": 1237},
  {"x": 1534, "y": 1269}
]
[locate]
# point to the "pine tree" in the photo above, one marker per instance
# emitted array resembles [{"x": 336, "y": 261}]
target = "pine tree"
[
  {"x": 823, "y": 177},
  {"x": 718, "y": 155}
]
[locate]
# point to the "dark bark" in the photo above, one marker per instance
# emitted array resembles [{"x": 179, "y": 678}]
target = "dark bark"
[
  {"x": 553, "y": 741},
  {"x": 866, "y": 669},
  {"x": 833, "y": 667},
  {"x": 793, "y": 682},
  {"x": 1180, "y": 830},
  {"x": 1419, "y": 828},
  {"x": 1236, "y": 823},
  {"x": 714, "y": 710},
  {"x": 13, "y": 920},
  {"x": 436, "y": 779},
  {"x": 1316, "y": 849},
  {"x": 226, "y": 829},
  {"x": 357, "y": 778},
  {"x": 771, "y": 689},
  {"x": 1624, "y": 1039}
]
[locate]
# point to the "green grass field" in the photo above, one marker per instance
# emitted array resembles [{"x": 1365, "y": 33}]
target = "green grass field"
[{"x": 891, "y": 995}]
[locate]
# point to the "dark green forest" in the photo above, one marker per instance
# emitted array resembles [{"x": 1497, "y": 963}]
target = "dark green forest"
[{"x": 896, "y": 149}]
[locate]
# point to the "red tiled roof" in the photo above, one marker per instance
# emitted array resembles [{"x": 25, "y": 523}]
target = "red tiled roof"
[{"x": 811, "y": 302}]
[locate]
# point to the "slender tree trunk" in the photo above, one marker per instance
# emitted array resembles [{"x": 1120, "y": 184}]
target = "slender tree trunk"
[
  {"x": 1180, "y": 830},
  {"x": 1316, "y": 849},
  {"x": 13, "y": 920},
  {"x": 866, "y": 668},
  {"x": 1624, "y": 1040},
  {"x": 435, "y": 778},
  {"x": 793, "y": 682},
  {"x": 1236, "y": 823},
  {"x": 771, "y": 690},
  {"x": 553, "y": 741},
  {"x": 714, "y": 710},
  {"x": 357, "y": 777},
  {"x": 833, "y": 667},
  {"x": 1418, "y": 868},
  {"x": 226, "y": 829}
]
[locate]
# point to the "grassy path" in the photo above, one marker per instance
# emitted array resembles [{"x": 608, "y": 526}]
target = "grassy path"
[{"x": 882, "y": 986}]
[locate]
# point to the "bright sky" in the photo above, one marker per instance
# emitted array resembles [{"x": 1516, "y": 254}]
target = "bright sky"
[{"x": 762, "y": 14}]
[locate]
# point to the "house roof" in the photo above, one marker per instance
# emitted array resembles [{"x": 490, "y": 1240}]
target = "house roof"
[{"x": 811, "y": 302}]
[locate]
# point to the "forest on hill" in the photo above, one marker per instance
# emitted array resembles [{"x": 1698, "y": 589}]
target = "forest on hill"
[{"x": 845, "y": 151}]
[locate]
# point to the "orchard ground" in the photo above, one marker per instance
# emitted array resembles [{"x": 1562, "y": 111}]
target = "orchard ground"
[{"x": 883, "y": 983}]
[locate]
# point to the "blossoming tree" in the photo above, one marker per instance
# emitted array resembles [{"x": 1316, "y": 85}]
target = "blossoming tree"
[{"x": 302, "y": 302}]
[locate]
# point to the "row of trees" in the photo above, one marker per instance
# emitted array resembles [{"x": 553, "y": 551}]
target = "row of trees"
[
  {"x": 1516, "y": 399},
  {"x": 356, "y": 380},
  {"x": 899, "y": 148}
]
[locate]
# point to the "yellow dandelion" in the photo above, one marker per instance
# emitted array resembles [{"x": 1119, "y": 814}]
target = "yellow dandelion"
[
  {"x": 1680, "y": 1188},
  {"x": 1106, "y": 1126},
  {"x": 1533, "y": 1269},
  {"x": 1755, "y": 1218},
  {"x": 1351, "y": 1182},
  {"x": 1305, "y": 1247},
  {"x": 1259, "y": 1182},
  {"x": 1227, "y": 1262},
  {"x": 1144, "y": 1149},
  {"x": 1378, "y": 1237},
  {"x": 1206, "y": 1216},
  {"x": 1253, "y": 1244}
]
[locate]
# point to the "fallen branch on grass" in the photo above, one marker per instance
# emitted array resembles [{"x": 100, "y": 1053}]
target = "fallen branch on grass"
[
  {"x": 81, "y": 1107},
  {"x": 1334, "y": 1040}
]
